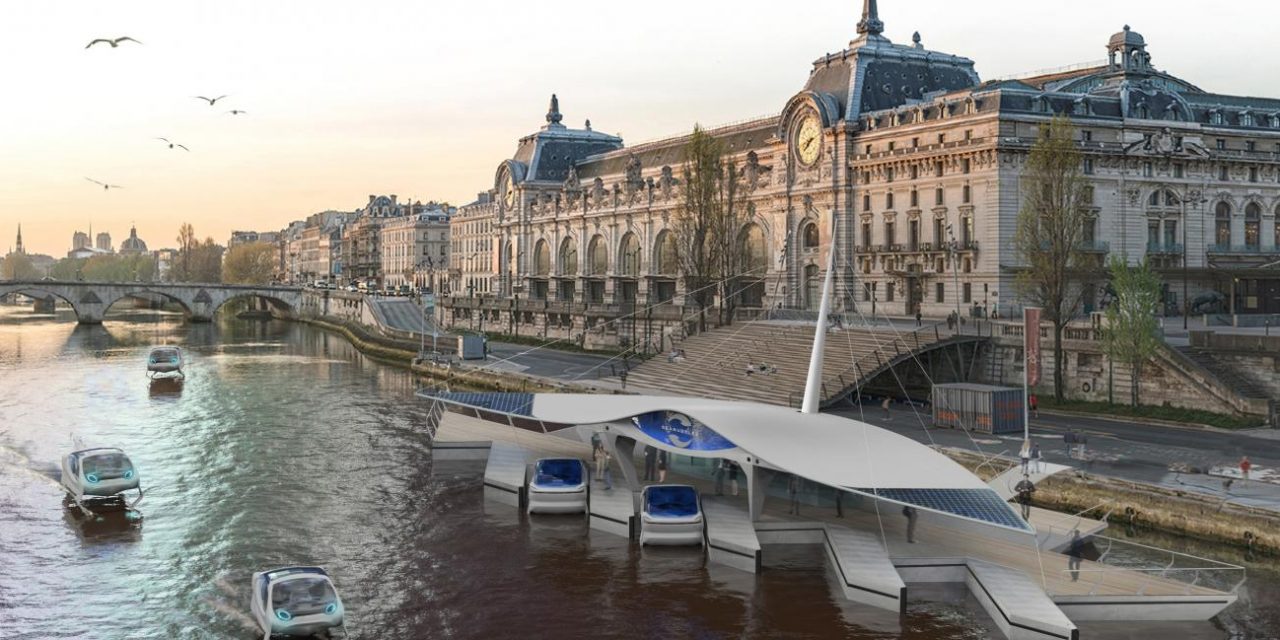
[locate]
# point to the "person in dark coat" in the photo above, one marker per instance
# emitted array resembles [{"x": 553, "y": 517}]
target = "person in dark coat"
[
  {"x": 650, "y": 464},
  {"x": 1075, "y": 552},
  {"x": 912, "y": 515},
  {"x": 1025, "y": 490},
  {"x": 662, "y": 466}
]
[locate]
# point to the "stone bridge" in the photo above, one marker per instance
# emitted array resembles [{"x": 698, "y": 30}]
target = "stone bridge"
[{"x": 91, "y": 300}]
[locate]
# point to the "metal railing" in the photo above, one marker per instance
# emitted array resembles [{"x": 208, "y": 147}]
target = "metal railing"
[{"x": 1134, "y": 569}]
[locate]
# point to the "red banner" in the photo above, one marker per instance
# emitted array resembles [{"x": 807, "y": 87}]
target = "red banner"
[{"x": 1031, "y": 340}]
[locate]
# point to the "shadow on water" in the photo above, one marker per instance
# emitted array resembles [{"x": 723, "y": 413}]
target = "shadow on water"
[
  {"x": 105, "y": 527},
  {"x": 165, "y": 388}
]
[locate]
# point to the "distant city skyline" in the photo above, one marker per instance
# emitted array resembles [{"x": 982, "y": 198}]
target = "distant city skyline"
[{"x": 419, "y": 100}]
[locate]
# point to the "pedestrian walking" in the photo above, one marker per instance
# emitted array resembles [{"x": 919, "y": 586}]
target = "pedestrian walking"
[
  {"x": 733, "y": 477},
  {"x": 719, "y": 473},
  {"x": 912, "y": 515},
  {"x": 1075, "y": 552},
  {"x": 1025, "y": 490},
  {"x": 793, "y": 491},
  {"x": 1025, "y": 456},
  {"x": 885, "y": 405},
  {"x": 601, "y": 458},
  {"x": 919, "y": 319},
  {"x": 662, "y": 466},
  {"x": 1033, "y": 403},
  {"x": 1245, "y": 466},
  {"x": 623, "y": 378},
  {"x": 650, "y": 464},
  {"x": 1036, "y": 458}
]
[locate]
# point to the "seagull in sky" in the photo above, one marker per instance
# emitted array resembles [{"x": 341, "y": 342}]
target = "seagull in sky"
[
  {"x": 114, "y": 43},
  {"x": 236, "y": 112},
  {"x": 173, "y": 145},
  {"x": 209, "y": 100},
  {"x": 105, "y": 186}
]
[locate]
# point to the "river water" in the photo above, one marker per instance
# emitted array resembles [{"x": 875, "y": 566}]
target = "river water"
[{"x": 285, "y": 446}]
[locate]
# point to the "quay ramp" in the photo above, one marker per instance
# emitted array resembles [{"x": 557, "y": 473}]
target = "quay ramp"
[
  {"x": 866, "y": 573},
  {"x": 731, "y": 537},
  {"x": 613, "y": 510},
  {"x": 504, "y": 474},
  {"x": 1017, "y": 604}
]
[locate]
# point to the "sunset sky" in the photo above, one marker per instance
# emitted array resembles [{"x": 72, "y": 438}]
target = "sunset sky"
[{"x": 424, "y": 99}]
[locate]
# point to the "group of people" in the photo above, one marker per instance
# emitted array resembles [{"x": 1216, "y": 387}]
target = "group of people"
[
  {"x": 1031, "y": 457},
  {"x": 655, "y": 465},
  {"x": 753, "y": 368}
]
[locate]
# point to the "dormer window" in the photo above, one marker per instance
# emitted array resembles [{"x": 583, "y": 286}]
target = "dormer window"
[
  {"x": 1215, "y": 117},
  {"x": 1274, "y": 120},
  {"x": 1246, "y": 119}
]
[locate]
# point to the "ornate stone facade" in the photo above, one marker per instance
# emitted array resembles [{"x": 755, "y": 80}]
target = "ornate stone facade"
[{"x": 919, "y": 162}]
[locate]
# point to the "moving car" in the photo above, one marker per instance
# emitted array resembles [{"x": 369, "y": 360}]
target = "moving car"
[{"x": 296, "y": 602}]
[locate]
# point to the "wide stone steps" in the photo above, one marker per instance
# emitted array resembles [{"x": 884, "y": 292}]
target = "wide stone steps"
[
  {"x": 715, "y": 363},
  {"x": 1226, "y": 373}
]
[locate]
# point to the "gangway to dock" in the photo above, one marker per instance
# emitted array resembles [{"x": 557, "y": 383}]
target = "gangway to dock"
[
  {"x": 613, "y": 510},
  {"x": 1017, "y": 604},
  {"x": 505, "y": 473},
  {"x": 866, "y": 573},
  {"x": 731, "y": 537}
]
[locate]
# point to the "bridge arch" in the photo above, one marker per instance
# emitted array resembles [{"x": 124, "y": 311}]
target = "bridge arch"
[
  {"x": 148, "y": 291},
  {"x": 34, "y": 291},
  {"x": 276, "y": 302}
]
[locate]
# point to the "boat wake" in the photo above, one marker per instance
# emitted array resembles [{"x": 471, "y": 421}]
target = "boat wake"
[{"x": 230, "y": 612}]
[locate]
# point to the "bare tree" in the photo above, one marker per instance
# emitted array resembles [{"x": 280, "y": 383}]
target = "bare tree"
[
  {"x": 697, "y": 217},
  {"x": 727, "y": 227},
  {"x": 1050, "y": 234},
  {"x": 1133, "y": 333}
]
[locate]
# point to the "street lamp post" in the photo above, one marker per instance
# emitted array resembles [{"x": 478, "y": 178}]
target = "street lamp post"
[
  {"x": 1197, "y": 199},
  {"x": 955, "y": 270}
]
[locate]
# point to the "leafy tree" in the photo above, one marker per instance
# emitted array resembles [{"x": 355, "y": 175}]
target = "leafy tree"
[
  {"x": 1132, "y": 334},
  {"x": 119, "y": 268},
  {"x": 66, "y": 269},
  {"x": 1050, "y": 234},
  {"x": 253, "y": 263},
  {"x": 18, "y": 266}
]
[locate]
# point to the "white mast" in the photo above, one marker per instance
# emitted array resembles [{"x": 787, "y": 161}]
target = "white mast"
[{"x": 813, "y": 386}]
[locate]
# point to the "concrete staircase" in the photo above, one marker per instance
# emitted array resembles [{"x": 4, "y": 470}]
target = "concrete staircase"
[
  {"x": 1226, "y": 373},
  {"x": 715, "y": 363},
  {"x": 400, "y": 314}
]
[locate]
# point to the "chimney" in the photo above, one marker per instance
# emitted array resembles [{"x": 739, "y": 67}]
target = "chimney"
[
  {"x": 393, "y": 198},
  {"x": 372, "y": 198}
]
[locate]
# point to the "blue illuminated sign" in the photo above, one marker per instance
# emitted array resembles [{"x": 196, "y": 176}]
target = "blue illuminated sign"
[{"x": 681, "y": 431}]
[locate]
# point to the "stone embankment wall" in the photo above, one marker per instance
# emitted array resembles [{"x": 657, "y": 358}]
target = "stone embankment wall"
[
  {"x": 1170, "y": 379},
  {"x": 1255, "y": 357}
]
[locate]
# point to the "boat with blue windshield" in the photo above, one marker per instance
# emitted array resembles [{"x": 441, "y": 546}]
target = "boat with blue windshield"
[
  {"x": 558, "y": 485},
  {"x": 297, "y": 602},
  {"x": 97, "y": 479},
  {"x": 671, "y": 515},
  {"x": 166, "y": 361}
]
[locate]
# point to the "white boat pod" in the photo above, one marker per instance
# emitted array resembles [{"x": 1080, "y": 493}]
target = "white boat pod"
[
  {"x": 671, "y": 515},
  {"x": 164, "y": 361},
  {"x": 296, "y": 602},
  {"x": 558, "y": 485},
  {"x": 99, "y": 477}
]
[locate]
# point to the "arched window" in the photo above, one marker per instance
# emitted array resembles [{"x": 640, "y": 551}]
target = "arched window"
[
  {"x": 568, "y": 258},
  {"x": 811, "y": 237},
  {"x": 597, "y": 257},
  {"x": 629, "y": 256},
  {"x": 1222, "y": 225},
  {"x": 665, "y": 259},
  {"x": 754, "y": 251},
  {"x": 1163, "y": 198},
  {"x": 542, "y": 259},
  {"x": 1253, "y": 225}
]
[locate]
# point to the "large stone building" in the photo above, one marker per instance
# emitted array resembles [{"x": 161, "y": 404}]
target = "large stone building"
[
  {"x": 415, "y": 246},
  {"x": 362, "y": 239},
  {"x": 472, "y": 266},
  {"x": 920, "y": 163}
]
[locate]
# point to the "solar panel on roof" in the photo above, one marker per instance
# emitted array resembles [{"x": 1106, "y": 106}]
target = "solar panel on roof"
[
  {"x": 976, "y": 504},
  {"x": 518, "y": 404}
]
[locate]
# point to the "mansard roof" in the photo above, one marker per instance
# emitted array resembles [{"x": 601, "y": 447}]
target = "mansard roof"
[
  {"x": 547, "y": 155},
  {"x": 670, "y": 151},
  {"x": 875, "y": 74}
]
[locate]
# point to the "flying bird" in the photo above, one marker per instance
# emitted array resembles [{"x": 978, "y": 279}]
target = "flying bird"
[
  {"x": 209, "y": 100},
  {"x": 173, "y": 145},
  {"x": 236, "y": 112},
  {"x": 105, "y": 186},
  {"x": 114, "y": 43}
]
